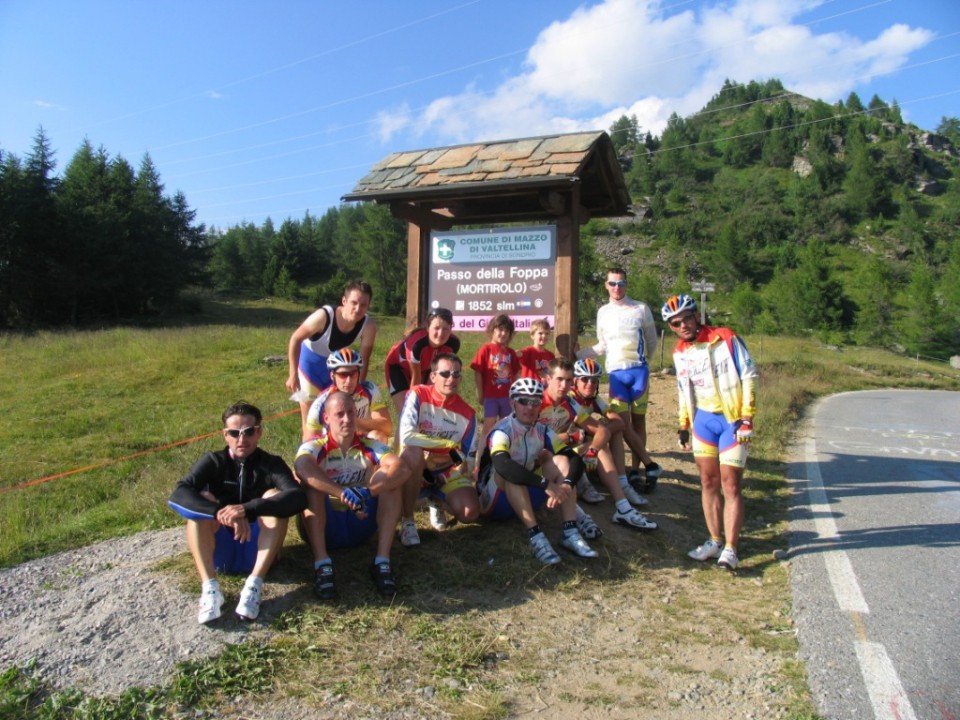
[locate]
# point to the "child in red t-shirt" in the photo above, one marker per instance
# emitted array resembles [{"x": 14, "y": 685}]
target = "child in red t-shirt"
[
  {"x": 535, "y": 359},
  {"x": 495, "y": 367}
]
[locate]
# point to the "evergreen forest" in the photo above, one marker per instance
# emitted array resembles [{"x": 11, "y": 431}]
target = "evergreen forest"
[{"x": 834, "y": 219}]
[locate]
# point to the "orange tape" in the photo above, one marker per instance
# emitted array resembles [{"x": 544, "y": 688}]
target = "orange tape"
[{"x": 48, "y": 478}]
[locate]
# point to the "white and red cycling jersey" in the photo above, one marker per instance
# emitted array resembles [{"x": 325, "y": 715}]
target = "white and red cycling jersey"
[
  {"x": 438, "y": 424},
  {"x": 561, "y": 415},
  {"x": 346, "y": 465}
]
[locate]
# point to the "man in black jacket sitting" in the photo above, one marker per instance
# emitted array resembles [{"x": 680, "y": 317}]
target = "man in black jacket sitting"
[{"x": 244, "y": 495}]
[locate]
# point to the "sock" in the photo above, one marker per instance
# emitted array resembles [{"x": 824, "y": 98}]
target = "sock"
[
  {"x": 717, "y": 539},
  {"x": 211, "y": 584},
  {"x": 580, "y": 514},
  {"x": 623, "y": 505},
  {"x": 569, "y": 527},
  {"x": 623, "y": 481},
  {"x": 317, "y": 564},
  {"x": 379, "y": 559},
  {"x": 254, "y": 580},
  {"x": 535, "y": 530}
]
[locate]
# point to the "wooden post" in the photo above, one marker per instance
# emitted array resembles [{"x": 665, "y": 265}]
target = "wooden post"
[
  {"x": 418, "y": 255},
  {"x": 568, "y": 278}
]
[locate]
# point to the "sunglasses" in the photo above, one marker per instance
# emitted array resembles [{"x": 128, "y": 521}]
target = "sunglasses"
[
  {"x": 530, "y": 402},
  {"x": 589, "y": 379},
  {"x": 677, "y": 322},
  {"x": 616, "y": 283},
  {"x": 347, "y": 373},
  {"x": 449, "y": 373},
  {"x": 246, "y": 432}
]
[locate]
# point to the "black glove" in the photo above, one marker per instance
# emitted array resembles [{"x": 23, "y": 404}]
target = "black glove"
[{"x": 683, "y": 436}]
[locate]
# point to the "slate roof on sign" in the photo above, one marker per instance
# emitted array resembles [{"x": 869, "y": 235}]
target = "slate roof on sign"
[{"x": 471, "y": 175}]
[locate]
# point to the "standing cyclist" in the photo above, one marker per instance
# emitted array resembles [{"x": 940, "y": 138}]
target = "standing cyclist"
[
  {"x": 716, "y": 378},
  {"x": 627, "y": 336}
]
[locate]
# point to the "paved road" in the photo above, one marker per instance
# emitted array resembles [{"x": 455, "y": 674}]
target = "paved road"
[{"x": 875, "y": 555}]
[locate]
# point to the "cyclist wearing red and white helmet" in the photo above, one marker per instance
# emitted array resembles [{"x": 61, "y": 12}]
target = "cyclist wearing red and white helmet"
[
  {"x": 585, "y": 393},
  {"x": 716, "y": 380},
  {"x": 627, "y": 336}
]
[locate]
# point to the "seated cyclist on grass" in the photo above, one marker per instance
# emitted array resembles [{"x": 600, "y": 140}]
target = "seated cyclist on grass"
[
  {"x": 438, "y": 430},
  {"x": 353, "y": 490},
  {"x": 525, "y": 466},
  {"x": 576, "y": 427},
  {"x": 233, "y": 495}
]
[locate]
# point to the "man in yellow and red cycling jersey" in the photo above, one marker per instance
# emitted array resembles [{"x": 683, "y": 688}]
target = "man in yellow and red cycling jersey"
[{"x": 716, "y": 379}]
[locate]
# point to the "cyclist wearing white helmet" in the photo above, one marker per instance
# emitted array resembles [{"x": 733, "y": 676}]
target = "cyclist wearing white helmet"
[
  {"x": 373, "y": 416},
  {"x": 627, "y": 337},
  {"x": 716, "y": 379},
  {"x": 525, "y": 465}
]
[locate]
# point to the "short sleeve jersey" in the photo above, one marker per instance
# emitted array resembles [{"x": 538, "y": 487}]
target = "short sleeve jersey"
[
  {"x": 434, "y": 422},
  {"x": 560, "y": 415},
  {"x": 346, "y": 465},
  {"x": 521, "y": 442}
]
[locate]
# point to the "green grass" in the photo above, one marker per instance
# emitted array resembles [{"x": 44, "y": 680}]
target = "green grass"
[{"x": 93, "y": 398}]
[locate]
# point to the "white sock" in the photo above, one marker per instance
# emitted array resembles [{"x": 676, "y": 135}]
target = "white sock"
[{"x": 623, "y": 505}]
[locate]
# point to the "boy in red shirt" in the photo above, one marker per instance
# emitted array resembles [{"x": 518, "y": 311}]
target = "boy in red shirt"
[{"x": 535, "y": 358}]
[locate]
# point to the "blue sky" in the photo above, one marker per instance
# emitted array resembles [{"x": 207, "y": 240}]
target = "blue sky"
[{"x": 257, "y": 109}]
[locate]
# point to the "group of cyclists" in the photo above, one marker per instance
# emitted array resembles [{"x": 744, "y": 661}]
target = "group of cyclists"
[{"x": 547, "y": 437}]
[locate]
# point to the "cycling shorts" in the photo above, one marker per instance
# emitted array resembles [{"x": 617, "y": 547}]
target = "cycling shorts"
[
  {"x": 629, "y": 390},
  {"x": 715, "y": 436},
  {"x": 493, "y": 500}
]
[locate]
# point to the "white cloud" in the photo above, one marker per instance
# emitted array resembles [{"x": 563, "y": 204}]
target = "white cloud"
[
  {"x": 47, "y": 105},
  {"x": 633, "y": 57},
  {"x": 214, "y": 95}
]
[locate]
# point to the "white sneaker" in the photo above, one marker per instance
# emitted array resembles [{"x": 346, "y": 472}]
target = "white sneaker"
[
  {"x": 728, "y": 559},
  {"x": 587, "y": 492},
  {"x": 544, "y": 550},
  {"x": 587, "y": 527},
  {"x": 249, "y": 606},
  {"x": 633, "y": 497},
  {"x": 438, "y": 518},
  {"x": 409, "y": 537},
  {"x": 710, "y": 549},
  {"x": 211, "y": 604},
  {"x": 633, "y": 519},
  {"x": 574, "y": 542}
]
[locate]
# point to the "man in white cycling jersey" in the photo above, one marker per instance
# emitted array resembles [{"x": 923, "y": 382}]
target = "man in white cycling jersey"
[{"x": 627, "y": 336}]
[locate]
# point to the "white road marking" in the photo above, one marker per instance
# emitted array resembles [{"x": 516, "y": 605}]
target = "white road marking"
[
  {"x": 887, "y": 696},
  {"x": 842, "y": 578}
]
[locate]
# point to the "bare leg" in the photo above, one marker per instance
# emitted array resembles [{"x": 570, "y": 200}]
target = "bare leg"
[
  {"x": 711, "y": 496},
  {"x": 201, "y": 539},
  {"x": 731, "y": 480}
]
